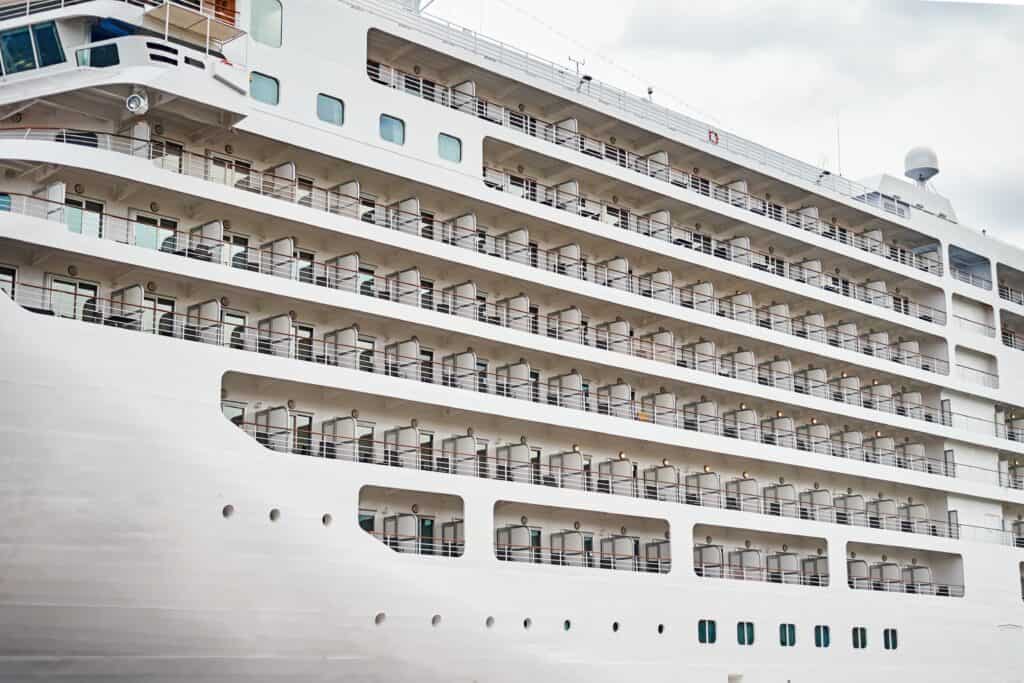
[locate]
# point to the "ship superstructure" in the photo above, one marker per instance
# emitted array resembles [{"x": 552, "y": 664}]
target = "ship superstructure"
[{"x": 341, "y": 343}]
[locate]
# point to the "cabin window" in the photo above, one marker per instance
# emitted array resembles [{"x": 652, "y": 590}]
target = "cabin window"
[
  {"x": 707, "y": 631},
  {"x": 787, "y": 635},
  {"x": 75, "y": 299},
  {"x": 449, "y": 147},
  {"x": 860, "y": 637},
  {"x": 8, "y": 277},
  {"x": 157, "y": 232},
  {"x": 264, "y": 88},
  {"x": 266, "y": 22},
  {"x": 392, "y": 129},
  {"x": 47, "y": 42},
  {"x": 822, "y": 636},
  {"x": 234, "y": 412},
  {"x": 889, "y": 636},
  {"x": 330, "y": 109},
  {"x": 84, "y": 216},
  {"x": 745, "y": 632},
  {"x": 5, "y": 201}
]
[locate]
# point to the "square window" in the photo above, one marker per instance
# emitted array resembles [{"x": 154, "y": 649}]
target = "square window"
[
  {"x": 449, "y": 147},
  {"x": 265, "y": 23},
  {"x": 330, "y": 109},
  {"x": 264, "y": 88},
  {"x": 392, "y": 129}
]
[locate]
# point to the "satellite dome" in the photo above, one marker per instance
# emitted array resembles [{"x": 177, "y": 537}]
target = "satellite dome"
[{"x": 921, "y": 164}]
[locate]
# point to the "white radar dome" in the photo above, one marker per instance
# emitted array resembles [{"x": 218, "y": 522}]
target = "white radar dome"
[{"x": 921, "y": 164}]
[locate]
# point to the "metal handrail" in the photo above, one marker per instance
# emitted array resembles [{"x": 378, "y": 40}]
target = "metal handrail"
[
  {"x": 184, "y": 244},
  {"x": 13, "y": 9},
  {"x": 948, "y": 590},
  {"x": 970, "y": 278},
  {"x": 593, "y": 559},
  {"x": 1012, "y": 295},
  {"x": 195, "y": 328},
  {"x": 975, "y": 326},
  {"x": 379, "y": 452},
  {"x": 595, "y": 209},
  {"x": 606, "y": 151},
  {"x": 715, "y": 570},
  {"x": 698, "y": 132},
  {"x": 240, "y": 175}
]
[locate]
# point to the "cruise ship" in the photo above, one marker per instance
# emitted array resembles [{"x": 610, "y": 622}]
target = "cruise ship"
[{"x": 340, "y": 342}]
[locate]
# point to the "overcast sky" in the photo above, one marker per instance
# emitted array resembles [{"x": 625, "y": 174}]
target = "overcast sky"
[{"x": 892, "y": 73}]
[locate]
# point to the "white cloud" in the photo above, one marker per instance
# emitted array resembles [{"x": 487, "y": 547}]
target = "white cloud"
[{"x": 896, "y": 73}]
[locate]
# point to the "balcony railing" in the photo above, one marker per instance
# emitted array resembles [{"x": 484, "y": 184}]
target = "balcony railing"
[
  {"x": 974, "y": 326},
  {"x": 241, "y": 176},
  {"x": 465, "y": 463},
  {"x": 274, "y": 341},
  {"x": 759, "y": 573},
  {"x": 263, "y": 260},
  {"x": 13, "y": 9},
  {"x": 644, "y": 165},
  {"x": 1013, "y": 340},
  {"x": 698, "y": 132},
  {"x": 598, "y": 210},
  {"x": 947, "y": 590},
  {"x": 588, "y": 559},
  {"x": 970, "y": 278},
  {"x": 1012, "y": 295}
]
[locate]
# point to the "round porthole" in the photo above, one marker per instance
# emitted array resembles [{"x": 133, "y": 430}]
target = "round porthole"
[
  {"x": 615, "y": 627},
  {"x": 489, "y": 622},
  {"x": 327, "y": 519},
  {"x": 566, "y": 625},
  {"x": 380, "y": 618},
  {"x": 228, "y": 511},
  {"x": 275, "y": 515},
  {"x": 435, "y": 620},
  {"x": 527, "y": 623}
]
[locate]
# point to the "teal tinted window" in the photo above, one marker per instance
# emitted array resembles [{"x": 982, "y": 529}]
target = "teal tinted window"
[
  {"x": 449, "y": 147},
  {"x": 5, "y": 202},
  {"x": 745, "y": 632},
  {"x": 889, "y": 635},
  {"x": 330, "y": 109},
  {"x": 16, "y": 50},
  {"x": 264, "y": 88},
  {"x": 787, "y": 635},
  {"x": 366, "y": 521},
  {"x": 392, "y": 129},
  {"x": 707, "y": 631},
  {"x": 48, "y": 44},
  {"x": 860, "y": 637},
  {"x": 822, "y": 636}
]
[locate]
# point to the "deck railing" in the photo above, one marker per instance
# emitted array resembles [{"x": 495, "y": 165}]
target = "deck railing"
[
  {"x": 265, "y": 261},
  {"x": 240, "y": 175},
  {"x": 608, "y": 152},
  {"x": 699, "y": 133},
  {"x": 970, "y": 278}
]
